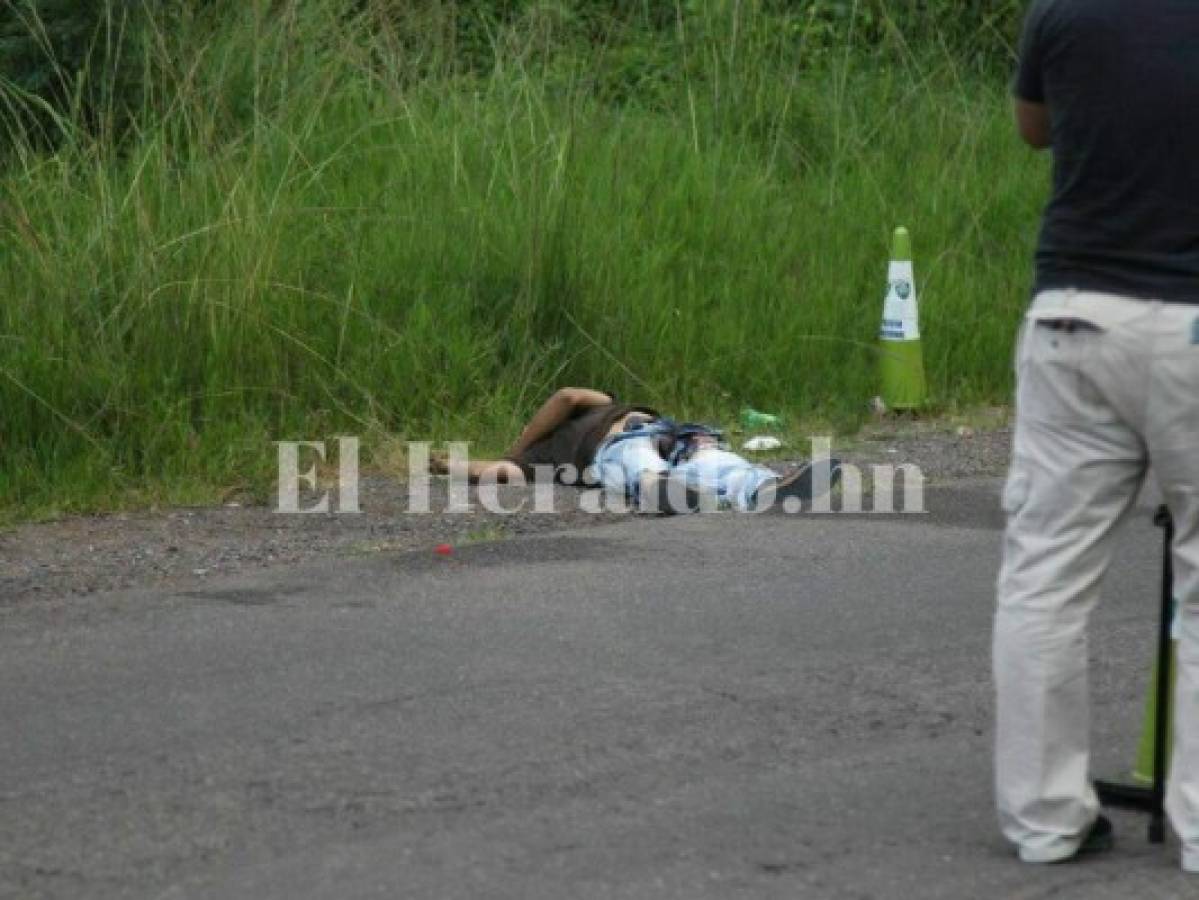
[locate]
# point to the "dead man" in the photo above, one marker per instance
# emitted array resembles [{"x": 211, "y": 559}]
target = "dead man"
[{"x": 584, "y": 437}]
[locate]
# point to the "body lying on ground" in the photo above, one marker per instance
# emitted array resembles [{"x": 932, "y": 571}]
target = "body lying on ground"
[{"x": 584, "y": 437}]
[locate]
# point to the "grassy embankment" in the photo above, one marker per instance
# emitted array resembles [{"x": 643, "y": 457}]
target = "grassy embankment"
[{"x": 311, "y": 237}]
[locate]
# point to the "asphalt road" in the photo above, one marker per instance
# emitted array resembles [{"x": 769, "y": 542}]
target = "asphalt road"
[{"x": 713, "y": 706}]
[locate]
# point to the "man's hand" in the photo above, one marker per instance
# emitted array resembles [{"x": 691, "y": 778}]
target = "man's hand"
[{"x": 1032, "y": 121}]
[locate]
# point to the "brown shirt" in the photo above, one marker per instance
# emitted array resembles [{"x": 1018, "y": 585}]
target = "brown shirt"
[{"x": 576, "y": 440}]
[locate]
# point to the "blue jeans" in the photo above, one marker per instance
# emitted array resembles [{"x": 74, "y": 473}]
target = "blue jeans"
[{"x": 621, "y": 461}]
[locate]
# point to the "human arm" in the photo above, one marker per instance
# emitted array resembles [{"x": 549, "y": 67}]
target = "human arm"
[
  {"x": 1032, "y": 122},
  {"x": 559, "y": 408},
  {"x": 1031, "y": 110}
]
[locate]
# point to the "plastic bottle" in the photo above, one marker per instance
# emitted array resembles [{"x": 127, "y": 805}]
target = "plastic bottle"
[{"x": 752, "y": 418}]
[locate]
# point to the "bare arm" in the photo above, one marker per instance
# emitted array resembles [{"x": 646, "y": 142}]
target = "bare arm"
[
  {"x": 557, "y": 409},
  {"x": 1032, "y": 121}
]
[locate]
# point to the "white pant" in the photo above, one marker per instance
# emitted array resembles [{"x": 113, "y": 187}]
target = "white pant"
[
  {"x": 731, "y": 478},
  {"x": 620, "y": 464},
  {"x": 1093, "y": 407}
]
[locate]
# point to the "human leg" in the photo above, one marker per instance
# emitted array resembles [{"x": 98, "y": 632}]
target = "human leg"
[
  {"x": 731, "y": 478},
  {"x": 1182, "y": 798},
  {"x": 1173, "y": 434},
  {"x": 1078, "y": 462},
  {"x": 746, "y": 486}
]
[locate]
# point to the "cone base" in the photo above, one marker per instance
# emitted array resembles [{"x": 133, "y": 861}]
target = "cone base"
[
  {"x": 1125, "y": 794},
  {"x": 901, "y": 365}
]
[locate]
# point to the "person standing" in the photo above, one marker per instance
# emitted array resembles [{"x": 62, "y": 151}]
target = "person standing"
[{"x": 1107, "y": 369}]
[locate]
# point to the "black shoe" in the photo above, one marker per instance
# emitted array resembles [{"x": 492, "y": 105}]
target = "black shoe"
[
  {"x": 799, "y": 483},
  {"x": 1099, "y": 838}
]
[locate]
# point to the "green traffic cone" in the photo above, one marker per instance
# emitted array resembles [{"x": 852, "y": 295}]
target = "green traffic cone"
[
  {"x": 1142, "y": 771},
  {"x": 901, "y": 363}
]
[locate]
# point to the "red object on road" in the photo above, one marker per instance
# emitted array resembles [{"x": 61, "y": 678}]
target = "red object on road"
[{"x": 443, "y": 549}]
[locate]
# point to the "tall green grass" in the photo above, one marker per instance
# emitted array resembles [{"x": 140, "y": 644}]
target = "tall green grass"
[{"x": 319, "y": 226}]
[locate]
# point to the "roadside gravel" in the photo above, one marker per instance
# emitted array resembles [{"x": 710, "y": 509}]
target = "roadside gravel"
[{"x": 182, "y": 547}]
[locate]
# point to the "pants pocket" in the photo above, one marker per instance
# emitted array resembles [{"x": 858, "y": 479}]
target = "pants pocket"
[{"x": 1054, "y": 382}]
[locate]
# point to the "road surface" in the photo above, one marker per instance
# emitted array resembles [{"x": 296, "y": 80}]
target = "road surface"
[{"x": 713, "y": 706}]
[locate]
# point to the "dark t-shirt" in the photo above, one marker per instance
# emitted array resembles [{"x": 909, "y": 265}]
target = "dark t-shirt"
[
  {"x": 1121, "y": 81},
  {"x": 576, "y": 440}
]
